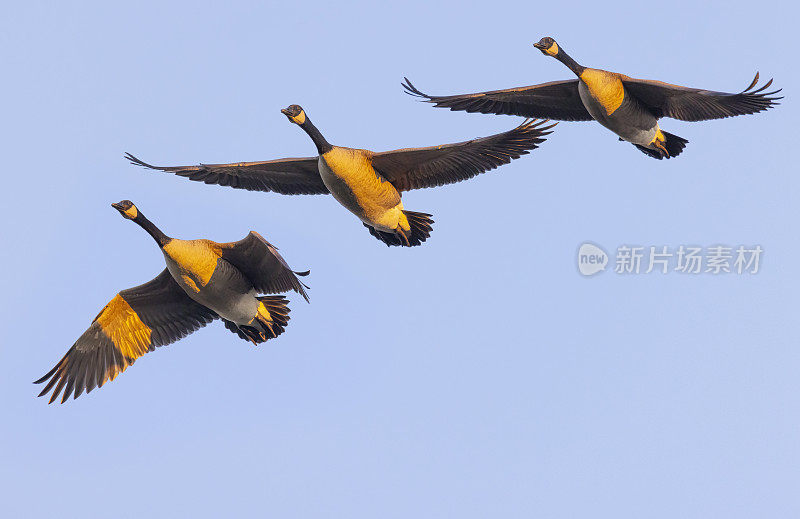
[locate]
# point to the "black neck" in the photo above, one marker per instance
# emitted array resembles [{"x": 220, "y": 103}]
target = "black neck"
[
  {"x": 160, "y": 238},
  {"x": 571, "y": 64},
  {"x": 322, "y": 145}
]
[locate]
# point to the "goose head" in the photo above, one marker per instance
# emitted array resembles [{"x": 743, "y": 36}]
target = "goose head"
[
  {"x": 548, "y": 46},
  {"x": 295, "y": 114},
  {"x": 127, "y": 209}
]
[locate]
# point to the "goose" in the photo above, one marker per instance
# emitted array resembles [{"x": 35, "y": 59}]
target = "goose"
[
  {"x": 370, "y": 184},
  {"x": 628, "y": 107},
  {"x": 203, "y": 281}
]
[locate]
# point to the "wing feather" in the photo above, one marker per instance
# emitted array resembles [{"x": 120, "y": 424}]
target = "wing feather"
[
  {"x": 695, "y": 104},
  {"x": 295, "y": 176},
  {"x": 558, "y": 100},
  {"x": 261, "y": 263},
  {"x": 135, "y": 322},
  {"x": 415, "y": 168}
]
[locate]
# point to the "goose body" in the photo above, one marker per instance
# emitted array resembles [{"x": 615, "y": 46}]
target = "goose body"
[
  {"x": 352, "y": 180},
  {"x": 627, "y": 106},
  {"x": 203, "y": 281},
  {"x": 198, "y": 268},
  {"x": 370, "y": 184},
  {"x": 604, "y": 97}
]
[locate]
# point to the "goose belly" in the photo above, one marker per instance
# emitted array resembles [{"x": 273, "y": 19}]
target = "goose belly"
[
  {"x": 355, "y": 184},
  {"x": 628, "y": 120},
  {"x": 227, "y": 291}
]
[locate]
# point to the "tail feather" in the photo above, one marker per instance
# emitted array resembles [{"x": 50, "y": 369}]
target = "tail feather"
[
  {"x": 421, "y": 227},
  {"x": 673, "y": 144},
  {"x": 264, "y": 326}
]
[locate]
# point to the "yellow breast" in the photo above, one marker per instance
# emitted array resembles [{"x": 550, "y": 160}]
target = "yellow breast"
[
  {"x": 196, "y": 260},
  {"x": 605, "y": 87},
  {"x": 354, "y": 168}
]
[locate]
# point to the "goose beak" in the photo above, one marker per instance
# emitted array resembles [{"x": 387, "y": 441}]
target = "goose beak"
[
  {"x": 285, "y": 111},
  {"x": 118, "y": 207},
  {"x": 539, "y": 46}
]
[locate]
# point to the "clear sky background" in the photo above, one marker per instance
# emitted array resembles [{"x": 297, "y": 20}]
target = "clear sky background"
[{"x": 478, "y": 375}]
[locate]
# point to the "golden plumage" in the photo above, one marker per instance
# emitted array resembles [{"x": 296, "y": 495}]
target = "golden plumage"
[
  {"x": 195, "y": 260},
  {"x": 606, "y": 87},
  {"x": 360, "y": 188}
]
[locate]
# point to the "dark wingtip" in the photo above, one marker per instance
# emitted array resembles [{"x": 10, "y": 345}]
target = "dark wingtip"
[
  {"x": 755, "y": 80},
  {"x": 411, "y": 90},
  {"x": 138, "y": 162},
  {"x": 301, "y": 287},
  {"x": 47, "y": 375},
  {"x": 760, "y": 91},
  {"x": 302, "y": 291}
]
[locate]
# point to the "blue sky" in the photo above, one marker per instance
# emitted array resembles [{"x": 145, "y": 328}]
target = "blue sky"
[{"x": 478, "y": 375}]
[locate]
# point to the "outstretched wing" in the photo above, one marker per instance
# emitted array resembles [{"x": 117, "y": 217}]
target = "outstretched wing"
[
  {"x": 298, "y": 176},
  {"x": 135, "y": 322},
  {"x": 261, "y": 263},
  {"x": 415, "y": 168},
  {"x": 557, "y": 100},
  {"x": 694, "y": 104}
]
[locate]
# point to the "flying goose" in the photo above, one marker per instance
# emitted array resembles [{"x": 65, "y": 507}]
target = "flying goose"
[
  {"x": 628, "y": 107},
  {"x": 367, "y": 183},
  {"x": 203, "y": 281}
]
